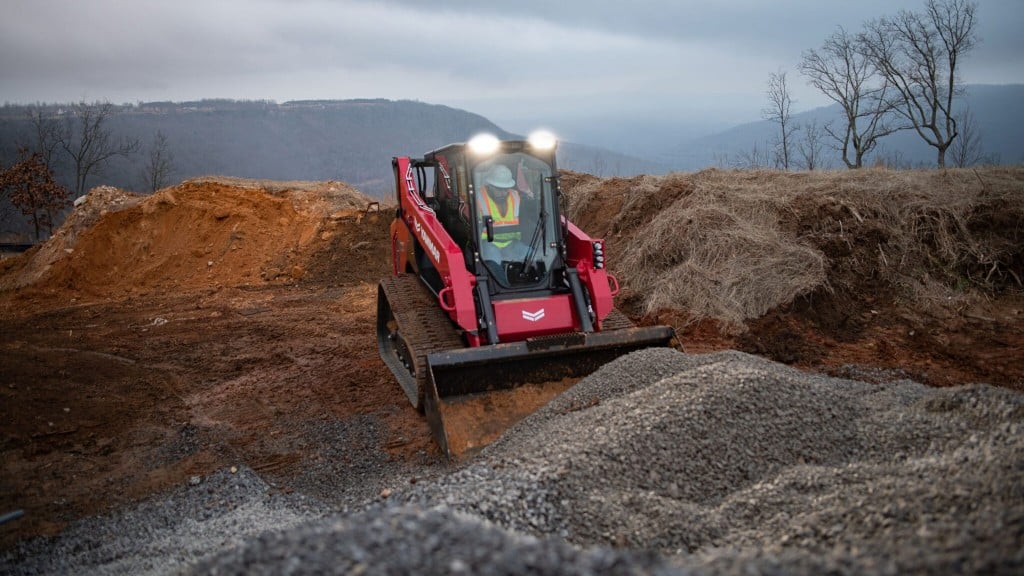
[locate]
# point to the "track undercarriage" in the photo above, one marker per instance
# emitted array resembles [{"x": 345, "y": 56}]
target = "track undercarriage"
[{"x": 472, "y": 395}]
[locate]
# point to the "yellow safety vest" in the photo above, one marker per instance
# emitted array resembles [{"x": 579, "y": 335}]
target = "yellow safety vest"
[{"x": 509, "y": 218}]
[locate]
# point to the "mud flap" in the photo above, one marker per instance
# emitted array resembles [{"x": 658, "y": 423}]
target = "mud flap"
[{"x": 474, "y": 394}]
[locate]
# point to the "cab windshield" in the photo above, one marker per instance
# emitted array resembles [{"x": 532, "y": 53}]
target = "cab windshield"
[{"x": 514, "y": 218}]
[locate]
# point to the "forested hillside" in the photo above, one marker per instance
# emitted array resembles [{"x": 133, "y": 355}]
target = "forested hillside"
[{"x": 351, "y": 140}]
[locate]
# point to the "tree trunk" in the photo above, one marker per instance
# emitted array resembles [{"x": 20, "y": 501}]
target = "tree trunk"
[{"x": 35, "y": 223}]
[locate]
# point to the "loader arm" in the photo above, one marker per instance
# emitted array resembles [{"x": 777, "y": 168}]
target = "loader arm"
[
  {"x": 583, "y": 256},
  {"x": 417, "y": 226}
]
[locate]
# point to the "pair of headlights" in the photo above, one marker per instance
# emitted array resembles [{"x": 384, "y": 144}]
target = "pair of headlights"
[{"x": 484, "y": 144}]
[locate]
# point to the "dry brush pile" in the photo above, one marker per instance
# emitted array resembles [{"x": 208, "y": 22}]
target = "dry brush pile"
[{"x": 732, "y": 245}]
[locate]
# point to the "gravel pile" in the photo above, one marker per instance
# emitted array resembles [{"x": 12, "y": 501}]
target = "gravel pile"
[
  {"x": 169, "y": 533},
  {"x": 727, "y": 461},
  {"x": 345, "y": 466},
  {"x": 665, "y": 463},
  {"x": 412, "y": 540}
]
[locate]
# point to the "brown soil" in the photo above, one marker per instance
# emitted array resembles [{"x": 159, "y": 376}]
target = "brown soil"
[
  {"x": 472, "y": 422},
  {"x": 134, "y": 363},
  {"x": 219, "y": 324}
]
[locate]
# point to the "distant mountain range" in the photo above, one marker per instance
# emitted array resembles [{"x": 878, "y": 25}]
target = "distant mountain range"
[
  {"x": 354, "y": 140},
  {"x": 997, "y": 111}
]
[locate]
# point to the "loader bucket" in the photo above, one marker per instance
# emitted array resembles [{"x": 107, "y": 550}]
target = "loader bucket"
[{"x": 474, "y": 394}]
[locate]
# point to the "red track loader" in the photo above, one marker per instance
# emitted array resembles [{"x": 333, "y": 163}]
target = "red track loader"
[{"x": 496, "y": 302}]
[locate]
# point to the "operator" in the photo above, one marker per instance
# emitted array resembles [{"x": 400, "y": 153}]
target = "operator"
[{"x": 501, "y": 201}]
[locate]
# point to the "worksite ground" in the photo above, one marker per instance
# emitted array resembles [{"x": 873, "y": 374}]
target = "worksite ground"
[{"x": 119, "y": 380}]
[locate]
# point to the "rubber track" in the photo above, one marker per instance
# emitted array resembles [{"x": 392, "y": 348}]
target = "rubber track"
[
  {"x": 422, "y": 323},
  {"x": 616, "y": 321}
]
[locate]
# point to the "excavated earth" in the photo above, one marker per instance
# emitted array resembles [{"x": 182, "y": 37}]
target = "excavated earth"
[{"x": 189, "y": 382}]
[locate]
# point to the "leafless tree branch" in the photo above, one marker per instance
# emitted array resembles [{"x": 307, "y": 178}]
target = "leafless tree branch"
[
  {"x": 918, "y": 54},
  {"x": 845, "y": 75},
  {"x": 780, "y": 101},
  {"x": 88, "y": 142},
  {"x": 160, "y": 165}
]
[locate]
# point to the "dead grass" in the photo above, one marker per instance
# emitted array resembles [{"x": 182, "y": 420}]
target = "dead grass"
[
  {"x": 731, "y": 245},
  {"x": 957, "y": 228}
]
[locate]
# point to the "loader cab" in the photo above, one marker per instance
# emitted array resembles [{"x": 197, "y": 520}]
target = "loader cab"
[{"x": 499, "y": 202}]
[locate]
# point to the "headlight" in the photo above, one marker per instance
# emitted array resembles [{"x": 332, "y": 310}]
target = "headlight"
[
  {"x": 484, "y": 144},
  {"x": 542, "y": 140}
]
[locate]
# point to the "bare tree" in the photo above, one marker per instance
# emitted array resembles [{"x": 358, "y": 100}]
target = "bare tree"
[
  {"x": 845, "y": 76},
  {"x": 810, "y": 146},
  {"x": 88, "y": 142},
  {"x": 756, "y": 157},
  {"x": 721, "y": 159},
  {"x": 779, "y": 103},
  {"x": 47, "y": 133},
  {"x": 966, "y": 150},
  {"x": 895, "y": 159},
  {"x": 160, "y": 165},
  {"x": 918, "y": 54}
]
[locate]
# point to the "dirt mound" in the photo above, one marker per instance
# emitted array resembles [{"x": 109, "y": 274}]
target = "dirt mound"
[
  {"x": 309, "y": 196},
  {"x": 740, "y": 235},
  {"x": 88, "y": 209},
  {"x": 201, "y": 233}
]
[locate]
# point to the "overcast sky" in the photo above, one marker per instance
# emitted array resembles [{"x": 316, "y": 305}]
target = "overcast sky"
[{"x": 519, "y": 63}]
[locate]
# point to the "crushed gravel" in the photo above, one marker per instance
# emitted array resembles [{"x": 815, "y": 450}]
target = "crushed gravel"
[
  {"x": 659, "y": 463},
  {"x": 727, "y": 459},
  {"x": 167, "y": 534},
  {"x": 412, "y": 540},
  {"x": 346, "y": 468}
]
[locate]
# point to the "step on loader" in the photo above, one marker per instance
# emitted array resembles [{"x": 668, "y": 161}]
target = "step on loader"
[{"x": 496, "y": 302}]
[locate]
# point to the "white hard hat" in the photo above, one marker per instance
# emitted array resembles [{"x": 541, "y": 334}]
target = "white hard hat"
[{"x": 501, "y": 177}]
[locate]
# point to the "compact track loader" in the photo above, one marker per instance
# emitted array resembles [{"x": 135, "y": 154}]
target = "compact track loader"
[{"x": 496, "y": 302}]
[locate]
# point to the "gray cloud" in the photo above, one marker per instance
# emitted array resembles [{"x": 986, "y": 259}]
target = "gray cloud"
[{"x": 527, "y": 61}]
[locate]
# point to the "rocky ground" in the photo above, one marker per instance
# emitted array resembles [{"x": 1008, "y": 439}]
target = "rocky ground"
[{"x": 189, "y": 383}]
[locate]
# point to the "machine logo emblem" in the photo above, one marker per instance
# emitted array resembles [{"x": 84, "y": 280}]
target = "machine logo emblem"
[
  {"x": 533, "y": 316},
  {"x": 427, "y": 242}
]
